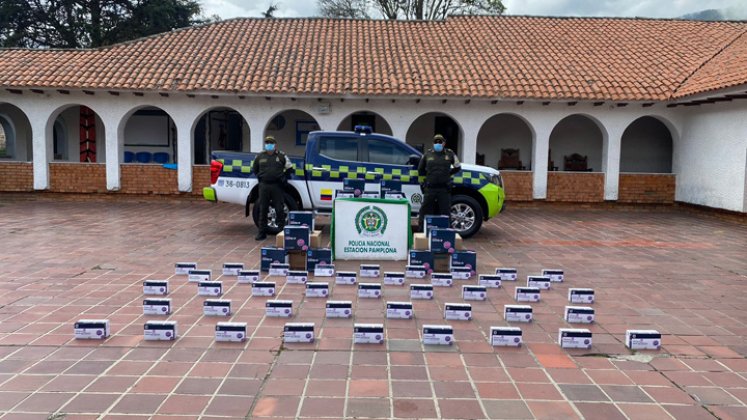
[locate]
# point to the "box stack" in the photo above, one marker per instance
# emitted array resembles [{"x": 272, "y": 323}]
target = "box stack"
[{"x": 302, "y": 242}]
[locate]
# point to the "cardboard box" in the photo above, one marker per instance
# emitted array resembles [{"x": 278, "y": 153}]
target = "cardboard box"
[
  {"x": 505, "y": 336},
  {"x": 344, "y": 194},
  {"x": 540, "y": 282},
  {"x": 421, "y": 291},
  {"x": 263, "y": 288},
  {"x": 346, "y": 277},
  {"x": 518, "y": 313},
  {"x": 461, "y": 273},
  {"x": 489, "y": 280},
  {"x": 465, "y": 259},
  {"x": 370, "y": 270},
  {"x": 279, "y": 270},
  {"x": 390, "y": 185},
  {"x": 415, "y": 272},
  {"x": 420, "y": 242},
  {"x": 232, "y": 269},
  {"x": 369, "y": 290},
  {"x": 579, "y": 314},
  {"x": 580, "y": 295},
  {"x": 230, "y": 332},
  {"x": 356, "y": 185},
  {"x": 394, "y": 278},
  {"x": 371, "y": 194},
  {"x": 442, "y": 279},
  {"x": 297, "y": 277},
  {"x": 643, "y": 339},
  {"x": 216, "y": 307},
  {"x": 301, "y": 218},
  {"x": 156, "y": 306},
  {"x": 527, "y": 294},
  {"x": 470, "y": 292},
  {"x": 314, "y": 256},
  {"x": 324, "y": 270},
  {"x": 279, "y": 308},
  {"x": 315, "y": 240},
  {"x": 247, "y": 276},
  {"x": 298, "y": 332},
  {"x": 368, "y": 333},
  {"x": 339, "y": 309},
  {"x": 574, "y": 338},
  {"x": 457, "y": 311},
  {"x": 441, "y": 263},
  {"x": 399, "y": 310},
  {"x": 555, "y": 274},
  {"x": 272, "y": 255},
  {"x": 182, "y": 268},
  {"x": 210, "y": 288},
  {"x": 432, "y": 221},
  {"x": 317, "y": 289},
  {"x": 438, "y": 335},
  {"x": 296, "y": 238},
  {"x": 421, "y": 258},
  {"x": 394, "y": 195},
  {"x": 156, "y": 287},
  {"x": 442, "y": 240},
  {"x": 91, "y": 329},
  {"x": 196, "y": 276},
  {"x": 507, "y": 274},
  {"x": 160, "y": 331}
]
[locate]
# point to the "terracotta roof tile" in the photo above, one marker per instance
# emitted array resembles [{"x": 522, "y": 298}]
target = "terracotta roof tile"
[{"x": 491, "y": 57}]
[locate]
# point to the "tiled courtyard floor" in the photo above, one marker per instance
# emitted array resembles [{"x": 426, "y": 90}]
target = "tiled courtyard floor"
[{"x": 679, "y": 272}]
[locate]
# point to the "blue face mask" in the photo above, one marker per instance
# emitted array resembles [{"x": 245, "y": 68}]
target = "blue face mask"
[
  {"x": 270, "y": 147},
  {"x": 438, "y": 147}
]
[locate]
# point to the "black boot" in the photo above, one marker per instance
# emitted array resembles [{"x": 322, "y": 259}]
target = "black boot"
[{"x": 261, "y": 236}]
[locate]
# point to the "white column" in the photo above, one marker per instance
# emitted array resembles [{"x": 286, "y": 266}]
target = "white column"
[
  {"x": 469, "y": 143},
  {"x": 184, "y": 152},
  {"x": 257, "y": 124},
  {"x": 113, "y": 152},
  {"x": 39, "y": 148},
  {"x": 611, "y": 162},
  {"x": 540, "y": 152}
]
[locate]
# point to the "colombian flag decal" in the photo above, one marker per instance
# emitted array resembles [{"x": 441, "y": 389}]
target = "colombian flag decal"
[{"x": 326, "y": 194}]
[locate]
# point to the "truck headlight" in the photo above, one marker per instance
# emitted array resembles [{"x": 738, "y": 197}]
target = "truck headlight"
[{"x": 497, "y": 180}]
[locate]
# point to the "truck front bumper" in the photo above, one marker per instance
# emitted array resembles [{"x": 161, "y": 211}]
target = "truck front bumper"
[{"x": 494, "y": 196}]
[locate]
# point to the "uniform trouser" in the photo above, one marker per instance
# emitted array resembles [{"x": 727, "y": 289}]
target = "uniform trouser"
[
  {"x": 436, "y": 201},
  {"x": 271, "y": 193}
]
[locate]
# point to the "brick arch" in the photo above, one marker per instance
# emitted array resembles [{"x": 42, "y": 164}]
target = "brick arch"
[
  {"x": 421, "y": 131},
  {"x": 289, "y": 127},
  {"x": 381, "y": 125},
  {"x": 506, "y": 130},
  {"x": 647, "y": 146},
  {"x": 224, "y": 132},
  {"x": 158, "y": 144},
  {"x": 580, "y": 134},
  {"x": 84, "y": 133}
]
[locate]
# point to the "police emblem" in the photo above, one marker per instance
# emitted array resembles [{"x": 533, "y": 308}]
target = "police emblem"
[{"x": 371, "y": 221}]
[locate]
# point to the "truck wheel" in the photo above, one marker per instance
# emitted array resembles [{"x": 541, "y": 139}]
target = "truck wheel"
[
  {"x": 466, "y": 215},
  {"x": 272, "y": 225}
]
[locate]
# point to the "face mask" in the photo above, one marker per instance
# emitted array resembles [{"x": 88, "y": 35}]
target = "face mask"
[
  {"x": 439, "y": 147},
  {"x": 270, "y": 147}
]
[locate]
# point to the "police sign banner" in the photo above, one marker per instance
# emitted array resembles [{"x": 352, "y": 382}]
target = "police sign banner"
[{"x": 371, "y": 229}]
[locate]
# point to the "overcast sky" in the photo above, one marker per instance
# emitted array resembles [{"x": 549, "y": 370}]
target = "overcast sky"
[{"x": 736, "y": 9}]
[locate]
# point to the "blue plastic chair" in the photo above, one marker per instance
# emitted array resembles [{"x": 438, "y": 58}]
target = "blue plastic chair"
[
  {"x": 128, "y": 157},
  {"x": 143, "y": 157},
  {"x": 161, "y": 157}
]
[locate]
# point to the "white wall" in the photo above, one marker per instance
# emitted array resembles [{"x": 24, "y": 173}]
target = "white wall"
[
  {"x": 505, "y": 131},
  {"x": 577, "y": 134},
  {"x": 709, "y": 158},
  {"x": 646, "y": 147}
]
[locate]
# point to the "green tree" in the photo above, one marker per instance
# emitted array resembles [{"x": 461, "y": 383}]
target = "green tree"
[{"x": 409, "y": 9}]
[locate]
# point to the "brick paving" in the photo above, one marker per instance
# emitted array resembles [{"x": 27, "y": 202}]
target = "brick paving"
[{"x": 679, "y": 272}]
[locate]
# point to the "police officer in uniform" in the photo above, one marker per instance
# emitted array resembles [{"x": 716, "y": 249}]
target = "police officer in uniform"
[
  {"x": 438, "y": 165},
  {"x": 272, "y": 169}
]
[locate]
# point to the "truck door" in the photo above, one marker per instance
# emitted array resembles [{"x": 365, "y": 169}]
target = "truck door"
[
  {"x": 338, "y": 157},
  {"x": 390, "y": 158}
]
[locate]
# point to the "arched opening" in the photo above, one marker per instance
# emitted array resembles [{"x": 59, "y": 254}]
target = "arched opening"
[
  {"x": 421, "y": 131},
  {"x": 646, "y": 147},
  {"x": 76, "y": 128},
  {"x": 371, "y": 119},
  {"x": 505, "y": 142},
  {"x": 15, "y": 137},
  {"x": 149, "y": 137},
  {"x": 576, "y": 145},
  {"x": 291, "y": 128},
  {"x": 219, "y": 129}
]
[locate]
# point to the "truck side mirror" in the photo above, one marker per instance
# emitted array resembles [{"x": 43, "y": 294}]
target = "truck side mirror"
[{"x": 414, "y": 160}]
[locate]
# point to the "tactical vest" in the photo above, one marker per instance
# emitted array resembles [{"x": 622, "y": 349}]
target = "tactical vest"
[
  {"x": 271, "y": 167},
  {"x": 438, "y": 168}
]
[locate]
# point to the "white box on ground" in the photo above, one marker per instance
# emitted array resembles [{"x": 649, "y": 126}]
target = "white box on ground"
[
  {"x": 263, "y": 288},
  {"x": 183, "y": 268},
  {"x": 527, "y": 294},
  {"x": 489, "y": 280},
  {"x": 279, "y": 269},
  {"x": 216, "y": 307},
  {"x": 421, "y": 291},
  {"x": 339, "y": 309},
  {"x": 210, "y": 288},
  {"x": 580, "y": 295},
  {"x": 368, "y": 333},
  {"x": 232, "y": 269},
  {"x": 370, "y": 270},
  {"x": 369, "y": 290},
  {"x": 438, "y": 334},
  {"x": 442, "y": 279},
  {"x": 346, "y": 277},
  {"x": 507, "y": 274},
  {"x": 555, "y": 274},
  {"x": 457, "y": 311},
  {"x": 156, "y": 306},
  {"x": 160, "y": 331},
  {"x": 540, "y": 282},
  {"x": 505, "y": 336},
  {"x": 324, "y": 270},
  {"x": 474, "y": 292},
  {"x": 574, "y": 338},
  {"x": 248, "y": 276},
  {"x": 156, "y": 287},
  {"x": 297, "y": 277},
  {"x": 298, "y": 332},
  {"x": 461, "y": 273},
  {"x": 196, "y": 276},
  {"x": 317, "y": 289},
  {"x": 91, "y": 329},
  {"x": 579, "y": 314},
  {"x": 517, "y": 313},
  {"x": 279, "y": 308},
  {"x": 415, "y": 272},
  {"x": 230, "y": 331},
  {"x": 399, "y": 310},
  {"x": 643, "y": 339},
  {"x": 394, "y": 278}
]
